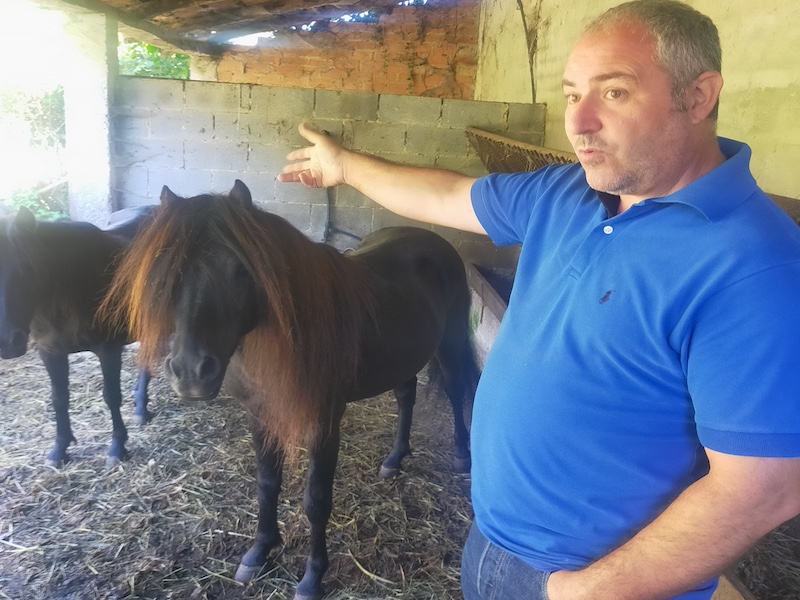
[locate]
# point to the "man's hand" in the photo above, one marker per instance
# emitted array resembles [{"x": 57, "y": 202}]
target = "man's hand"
[{"x": 319, "y": 166}]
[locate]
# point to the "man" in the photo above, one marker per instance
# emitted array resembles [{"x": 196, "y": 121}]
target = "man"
[{"x": 637, "y": 426}]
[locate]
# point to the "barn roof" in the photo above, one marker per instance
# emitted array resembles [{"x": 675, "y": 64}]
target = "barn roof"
[{"x": 207, "y": 26}]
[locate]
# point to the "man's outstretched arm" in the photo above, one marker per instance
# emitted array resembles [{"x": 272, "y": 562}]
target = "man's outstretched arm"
[{"x": 430, "y": 195}]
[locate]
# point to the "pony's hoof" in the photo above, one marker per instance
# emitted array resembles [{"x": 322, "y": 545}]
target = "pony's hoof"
[
  {"x": 246, "y": 574},
  {"x": 462, "y": 465},
  {"x": 388, "y": 472},
  {"x": 113, "y": 461},
  {"x": 139, "y": 420},
  {"x": 57, "y": 459},
  {"x": 308, "y": 596},
  {"x": 142, "y": 420}
]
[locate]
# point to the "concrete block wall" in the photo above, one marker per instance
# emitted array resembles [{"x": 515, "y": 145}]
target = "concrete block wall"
[{"x": 198, "y": 137}]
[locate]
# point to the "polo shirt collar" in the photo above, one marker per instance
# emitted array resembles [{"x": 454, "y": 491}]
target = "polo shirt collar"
[{"x": 714, "y": 194}]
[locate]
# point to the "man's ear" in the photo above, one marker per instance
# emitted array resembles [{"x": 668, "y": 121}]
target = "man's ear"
[{"x": 702, "y": 95}]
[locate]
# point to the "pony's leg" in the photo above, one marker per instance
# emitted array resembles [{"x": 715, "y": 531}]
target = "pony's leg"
[
  {"x": 318, "y": 503},
  {"x": 141, "y": 415},
  {"x": 456, "y": 367},
  {"x": 406, "y": 396},
  {"x": 57, "y": 366},
  {"x": 269, "y": 476},
  {"x": 110, "y": 356}
]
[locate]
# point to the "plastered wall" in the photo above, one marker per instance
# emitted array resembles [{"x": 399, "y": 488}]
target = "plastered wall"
[
  {"x": 760, "y": 102},
  {"x": 198, "y": 137}
]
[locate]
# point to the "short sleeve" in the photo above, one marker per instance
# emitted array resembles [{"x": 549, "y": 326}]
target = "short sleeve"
[{"x": 743, "y": 366}]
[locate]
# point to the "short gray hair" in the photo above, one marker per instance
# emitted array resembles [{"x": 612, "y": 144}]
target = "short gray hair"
[{"x": 687, "y": 41}]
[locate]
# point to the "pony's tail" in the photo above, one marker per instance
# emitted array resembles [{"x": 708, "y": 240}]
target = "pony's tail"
[{"x": 468, "y": 376}]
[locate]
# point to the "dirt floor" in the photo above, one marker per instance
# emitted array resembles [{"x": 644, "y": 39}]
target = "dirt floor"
[{"x": 173, "y": 521}]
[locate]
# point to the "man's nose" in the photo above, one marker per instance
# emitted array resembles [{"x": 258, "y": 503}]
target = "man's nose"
[{"x": 583, "y": 117}]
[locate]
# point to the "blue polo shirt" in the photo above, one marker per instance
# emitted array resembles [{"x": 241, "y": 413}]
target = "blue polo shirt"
[{"x": 630, "y": 343}]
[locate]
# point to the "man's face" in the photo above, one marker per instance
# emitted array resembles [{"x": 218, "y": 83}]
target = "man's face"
[{"x": 620, "y": 116}]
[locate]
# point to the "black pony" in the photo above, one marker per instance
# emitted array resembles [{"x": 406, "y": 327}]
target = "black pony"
[
  {"x": 53, "y": 277},
  {"x": 218, "y": 286}
]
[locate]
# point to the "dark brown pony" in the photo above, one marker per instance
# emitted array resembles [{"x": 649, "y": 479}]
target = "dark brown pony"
[
  {"x": 53, "y": 277},
  {"x": 218, "y": 286}
]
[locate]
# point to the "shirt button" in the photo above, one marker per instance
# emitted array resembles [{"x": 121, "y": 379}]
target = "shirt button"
[{"x": 608, "y": 229}]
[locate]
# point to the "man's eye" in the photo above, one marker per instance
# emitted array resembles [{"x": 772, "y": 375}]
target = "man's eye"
[
  {"x": 571, "y": 98},
  {"x": 614, "y": 94}
]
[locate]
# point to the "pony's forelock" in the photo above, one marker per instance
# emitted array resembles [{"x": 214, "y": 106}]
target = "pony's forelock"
[{"x": 300, "y": 354}]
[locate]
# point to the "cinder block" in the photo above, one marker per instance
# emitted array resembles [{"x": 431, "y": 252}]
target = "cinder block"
[
  {"x": 216, "y": 156},
  {"x": 282, "y": 104},
  {"x": 409, "y": 110},
  {"x": 316, "y": 231},
  {"x": 344, "y": 195},
  {"x": 267, "y": 159},
  {"x": 459, "y": 114},
  {"x": 207, "y": 96},
  {"x": 230, "y": 127},
  {"x": 347, "y": 225},
  {"x": 412, "y": 160},
  {"x": 167, "y": 154},
  {"x": 149, "y": 92},
  {"x": 379, "y": 137},
  {"x": 184, "y": 182},
  {"x": 299, "y": 215},
  {"x": 436, "y": 141},
  {"x": 358, "y": 106},
  {"x": 263, "y": 132},
  {"x": 527, "y": 118},
  {"x": 173, "y": 125},
  {"x": 130, "y": 186},
  {"x": 131, "y": 126}
]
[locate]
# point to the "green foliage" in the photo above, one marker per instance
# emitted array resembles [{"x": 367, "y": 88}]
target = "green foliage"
[
  {"x": 143, "y": 60},
  {"x": 42, "y": 115},
  {"x": 44, "y": 206}
]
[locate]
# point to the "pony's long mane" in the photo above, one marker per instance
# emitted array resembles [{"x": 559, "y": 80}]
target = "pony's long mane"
[{"x": 313, "y": 303}]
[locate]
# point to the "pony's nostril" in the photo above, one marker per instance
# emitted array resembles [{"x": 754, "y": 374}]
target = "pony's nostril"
[
  {"x": 209, "y": 368},
  {"x": 168, "y": 367}
]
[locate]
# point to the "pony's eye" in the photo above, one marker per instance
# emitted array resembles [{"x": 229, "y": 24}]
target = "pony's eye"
[{"x": 240, "y": 271}]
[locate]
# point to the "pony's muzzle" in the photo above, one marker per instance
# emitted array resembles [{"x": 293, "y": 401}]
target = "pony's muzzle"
[{"x": 199, "y": 379}]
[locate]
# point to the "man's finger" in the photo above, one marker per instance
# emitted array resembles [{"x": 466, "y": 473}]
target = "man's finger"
[
  {"x": 286, "y": 177},
  {"x": 301, "y": 154},
  {"x": 310, "y": 133},
  {"x": 308, "y": 179}
]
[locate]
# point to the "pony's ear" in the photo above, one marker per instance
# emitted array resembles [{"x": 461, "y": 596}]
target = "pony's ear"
[
  {"x": 24, "y": 222},
  {"x": 168, "y": 197},
  {"x": 241, "y": 194}
]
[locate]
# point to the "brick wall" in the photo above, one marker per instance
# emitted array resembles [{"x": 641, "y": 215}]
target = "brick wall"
[
  {"x": 198, "y": 137},
  {"x": 416, "y": 51}
]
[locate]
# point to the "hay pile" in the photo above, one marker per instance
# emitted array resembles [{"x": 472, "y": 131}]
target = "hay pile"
[
  {"x": 772, "y": 569},
  {"x": 173, "y": 521}
]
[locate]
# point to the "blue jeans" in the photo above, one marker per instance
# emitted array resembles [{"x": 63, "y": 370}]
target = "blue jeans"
[{"x": 490, "y": 573}]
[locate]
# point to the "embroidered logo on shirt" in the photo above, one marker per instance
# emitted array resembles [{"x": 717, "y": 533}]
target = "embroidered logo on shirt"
[{"x": 605, "y": 298}]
